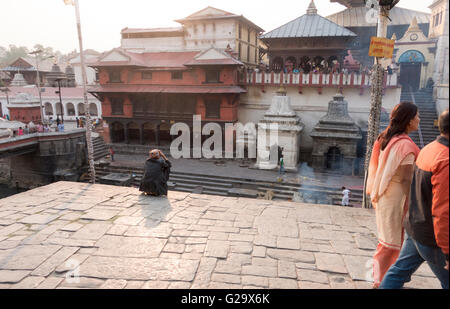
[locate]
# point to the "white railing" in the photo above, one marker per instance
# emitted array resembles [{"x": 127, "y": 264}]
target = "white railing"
[{"x": 357, "y": 80}]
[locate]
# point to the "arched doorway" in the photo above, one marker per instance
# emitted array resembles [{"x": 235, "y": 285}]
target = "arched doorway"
[
  {"x": 93, "y": 109},
  {"x": 149, "y": 133},
  {"x": 410, "y": 69},
  {"x": 70, "y": 109},
  {"x": 133, "y": 133},
  {"x": 48, "y": 109},
  {"x": 333, "y": 159},
  {"x": 117, "y": 132},
  {"x": 81, "y": 111}
]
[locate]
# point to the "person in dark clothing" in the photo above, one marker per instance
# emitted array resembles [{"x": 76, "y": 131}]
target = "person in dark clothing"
[
  {"x": 426, "y": 222},
  {"x": 156, "y": 174}
]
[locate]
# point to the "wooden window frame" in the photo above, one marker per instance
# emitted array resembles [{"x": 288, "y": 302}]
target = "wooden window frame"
[
  {"x": 113, "y": 74},
  {"x": 212, "y": 104},
  {"x": 209, "y": 73},
  {"x": 174, "y": 75},
  {"x": 115, "y": 103},
  {"x": 145, "y": 75}
]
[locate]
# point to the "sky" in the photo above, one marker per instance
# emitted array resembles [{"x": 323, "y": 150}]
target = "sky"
[{"x": 51, "y": 23}]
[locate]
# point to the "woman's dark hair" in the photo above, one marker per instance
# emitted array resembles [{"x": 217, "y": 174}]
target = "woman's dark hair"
[{"x": 401, "y": 116}]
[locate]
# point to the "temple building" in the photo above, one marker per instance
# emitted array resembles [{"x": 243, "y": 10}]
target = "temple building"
[
  {"x": 143, "y": 94},
  {"x": 199, "y": 31}
]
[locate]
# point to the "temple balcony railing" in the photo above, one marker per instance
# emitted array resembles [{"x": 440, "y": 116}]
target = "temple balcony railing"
[{"x": 341, "y": 80}]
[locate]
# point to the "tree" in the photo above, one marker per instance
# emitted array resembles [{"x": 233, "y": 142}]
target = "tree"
[{"x": 11, "y": 54}]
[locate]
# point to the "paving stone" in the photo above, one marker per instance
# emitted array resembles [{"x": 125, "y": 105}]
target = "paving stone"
[
  {"x": 227, "y": 267},
  {"x": 316, "y": 247},
  {"x": 92, "y": 231},
  {"x": 200, "y": 234},
  {"x": 291, "y": 255},
  {"x": 366, "y": 243},
  {"x": 100, "y": 215},
  {"x": 312, "y": 275},
  {"x": 341, "y": 282},
  {"x": 255, "y": 281},
  {"x": 71, "y": 216},
  {"x": 265, "y": 240},
  {"x": 239, "y": 258},
  {"x": 127, "y": 220},
  {"x": 423, "y": 283},
  {"x": 330, "y": 262},
  {"x": 117, "y": 230},
  {"x": 259, "y": 251},
  {"x": 28, "y": 283},
  {"x": 69, "y": 242},
  {"x": 196, "y": 240},
  {"x": 306, "y": 266},
  {"x": 227, "y": 278},
  {"x": 26, "y": 257},
  {"x": 72, "y": 227},
  {"x": 359, "y": 267},
  {"x": 160, "y": 231},
  {"x": 204, "y": 272},
  {"x": 241, "y": 237},
  {"x": 50, "y": 283},
  {"x": 10, "y": 229},
  {"x": 82, "y": 283},
  {"x": 288, "y": 243},
  {"x": 72, "y": 264},
  {"x": 179, "y": 285},
  {"x": 218, "y": 236},
  {"x": 279, "y": 283},
  {"x": 241, "y": 247},
  {"x": 134, "y": 284},
  {"x": 276, "y": 226},
  {"x": 264, "y": 271},
  {"x": 114, "y": 284},
  {"x": 224, "y": 286},
  {"x": 286, "y": 269},
  {"x": 344, "y": 247},
  {"x": 9, "y": 244},
  {"x": 54, "y": 261},
  {"x": 137, "y": 247},
  {"x": 12, "y": 276},
  {"x": 307, "y": 285},
  {"x": 139, "y": 268},
  {"x": 174, "y": 248},
  {"x": 264, "y": 262},
  {"x": 224, "y": 229},
  {"x": 217, "y": 249}
]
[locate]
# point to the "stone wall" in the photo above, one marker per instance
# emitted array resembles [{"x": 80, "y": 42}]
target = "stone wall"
[{"x": 59, "y": 157}]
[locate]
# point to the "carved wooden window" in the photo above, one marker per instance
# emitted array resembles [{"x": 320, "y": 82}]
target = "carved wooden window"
[
  {"x": 114, "y": 76},
  {"x": 147, "y": 75},
  {"x": 213, "y": 108},
  {"x": 212, "y": 76},
  {"x": 177, "y": 75},
  {"x": 116, "y": 106}
]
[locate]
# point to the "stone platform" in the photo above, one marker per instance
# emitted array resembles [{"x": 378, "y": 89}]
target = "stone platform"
[{"x": 75, "y": 235}]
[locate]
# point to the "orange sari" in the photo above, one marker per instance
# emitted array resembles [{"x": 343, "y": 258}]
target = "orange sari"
[{"x": 389, "y": 191}]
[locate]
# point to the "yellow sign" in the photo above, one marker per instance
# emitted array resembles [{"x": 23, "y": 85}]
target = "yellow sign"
[{"x": 381, "y": 47}]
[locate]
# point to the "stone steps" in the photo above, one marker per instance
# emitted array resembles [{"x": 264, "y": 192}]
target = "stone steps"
[{"x": 230, "y": 186}]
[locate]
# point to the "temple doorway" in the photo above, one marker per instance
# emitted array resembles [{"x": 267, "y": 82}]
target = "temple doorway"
[{"x": 334, "y": 159}]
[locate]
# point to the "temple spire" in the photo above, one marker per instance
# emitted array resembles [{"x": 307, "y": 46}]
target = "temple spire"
[
  {"x": 414, "y": 26},
  {"x": 312, "y": 10}
]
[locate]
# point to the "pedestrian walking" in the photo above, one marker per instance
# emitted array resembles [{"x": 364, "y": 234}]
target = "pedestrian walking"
[
  {"x": 46, "y": 128},
  {"x": 26, "y": 130},
  {"x": 388, "y": 184},
  {"x": 281, "y": 159},
  {"x": 345, "y": 196},
  {"x": 111, "y": 152},
  {"x": 427, "y": 221},
  {"x": 20, "y": 132},
  {"x": 78, "y": 122},
  {"x": 156, "y": 174}
]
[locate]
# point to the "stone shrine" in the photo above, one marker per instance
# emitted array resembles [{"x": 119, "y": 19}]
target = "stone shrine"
[
  {"x": 280, "y": 127},
  {"x": 335, "y": 139}
]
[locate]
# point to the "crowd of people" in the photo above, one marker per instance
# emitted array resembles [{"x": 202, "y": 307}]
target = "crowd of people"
[{"x": 409, "y": 189}]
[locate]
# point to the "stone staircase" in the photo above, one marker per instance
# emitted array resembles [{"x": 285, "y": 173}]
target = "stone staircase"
[
  {"x": 101, "y": 150},
  {"x": 427, "y": 108},
  {"x": 238, "y": 187}
]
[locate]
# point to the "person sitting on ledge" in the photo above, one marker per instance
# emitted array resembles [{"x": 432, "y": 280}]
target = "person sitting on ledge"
[{"x": 156, "y": 174}]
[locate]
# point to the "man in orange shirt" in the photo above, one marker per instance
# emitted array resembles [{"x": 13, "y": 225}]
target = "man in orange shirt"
[{"x": 427, "y": 221}]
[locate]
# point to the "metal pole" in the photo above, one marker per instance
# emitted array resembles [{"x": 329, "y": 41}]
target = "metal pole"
[
  {"x": 39, "y": 88},
  {"x": 60, "y": 101},
  {"x": 375, "y": 102},
  {"x": 90, "y": 147}
]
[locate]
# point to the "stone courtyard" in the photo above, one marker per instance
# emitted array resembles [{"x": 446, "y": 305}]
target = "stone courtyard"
[{"x": 75, "y": 235}]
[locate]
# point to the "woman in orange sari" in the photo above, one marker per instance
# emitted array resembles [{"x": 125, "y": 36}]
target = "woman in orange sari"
[{"x": 388, "y": 184}]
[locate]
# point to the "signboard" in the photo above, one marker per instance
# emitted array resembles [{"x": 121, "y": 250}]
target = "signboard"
[{"x": 381, "y": 47}]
